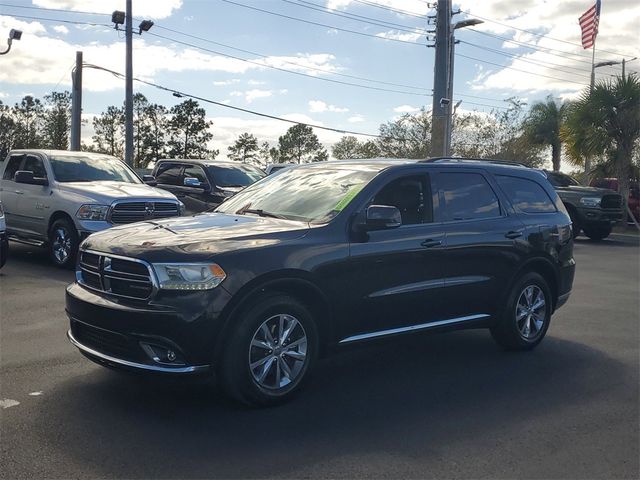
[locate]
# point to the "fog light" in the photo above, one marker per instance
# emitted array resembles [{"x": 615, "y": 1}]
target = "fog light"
[
  {"x": 160, "y": 354},
  {"x": 171, "y": 355}
]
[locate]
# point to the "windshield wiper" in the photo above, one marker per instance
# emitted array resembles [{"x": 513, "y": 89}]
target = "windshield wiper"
[{"x": 258, "y": 211}]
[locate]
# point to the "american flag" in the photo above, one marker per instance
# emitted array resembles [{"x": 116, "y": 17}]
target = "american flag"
[{"x": 589, "y": 25}]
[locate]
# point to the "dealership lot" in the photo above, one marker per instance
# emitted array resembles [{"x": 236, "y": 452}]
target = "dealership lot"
[{"x": 429, "y": 406}]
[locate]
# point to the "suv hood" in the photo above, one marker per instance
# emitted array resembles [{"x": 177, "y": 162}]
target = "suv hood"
[
  {"x": 108, "y": 191},
  {"x": 578, "y": 189},
  {"x": 188, "y": 238}
]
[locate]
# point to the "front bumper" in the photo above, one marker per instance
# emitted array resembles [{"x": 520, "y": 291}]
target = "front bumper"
[
  {"x": 599, "y": 216},
  {"x": 171, "y": 334}
]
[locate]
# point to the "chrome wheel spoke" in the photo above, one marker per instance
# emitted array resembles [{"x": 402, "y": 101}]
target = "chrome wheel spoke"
[
  {"x": 262, "y": 361},
  {"x": 286, "y": 331},
  {"x": 295, "y": 355},
  {"x": 267, "y": 334},
  {"x": 260, "y": 344},
  {"x": 265, "y": 369},
  {"x": 285, "y": 368},
  {"x": 531, "y": 312}
]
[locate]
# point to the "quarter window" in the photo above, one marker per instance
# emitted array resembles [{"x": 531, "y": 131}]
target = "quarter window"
[
  {"x": 12, "y": 167},
  {"x": 526, "y": 195},
  {"x": 466, "y": 196},
  {"x": 168, "y": 174}
]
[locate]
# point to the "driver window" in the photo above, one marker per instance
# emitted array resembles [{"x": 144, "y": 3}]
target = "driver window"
[
  {"x": 35, "y": 165},
  {"x": 411, "y": 196},
  {"x": 192, "y": 171}
]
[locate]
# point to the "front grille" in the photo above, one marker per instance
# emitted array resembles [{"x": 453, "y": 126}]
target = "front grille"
[
  {"x": 105, "y": 341},
  {"x": 115, "y": 275},
  {"x": 611, "y": 201},
  {"x": 129, "y": 212}
]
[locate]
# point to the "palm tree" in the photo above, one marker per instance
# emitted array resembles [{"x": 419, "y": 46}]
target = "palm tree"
[
  {"x": 607, "y": 122},
  {"x": 543, "y": 124}
]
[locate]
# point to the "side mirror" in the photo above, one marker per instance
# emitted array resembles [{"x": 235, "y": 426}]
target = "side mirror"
[
  {"x": 381, "y": 217},
  {"x": 192, "y": 182},
  {"x": 150, "y": 180},
  {"x": 26, "y": 177}
]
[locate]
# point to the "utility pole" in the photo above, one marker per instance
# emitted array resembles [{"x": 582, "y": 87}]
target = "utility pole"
[
  {"x": 76, "y": 104},
  {"x": 440, "y": 73},
  {"x": 128, "y": 101}
]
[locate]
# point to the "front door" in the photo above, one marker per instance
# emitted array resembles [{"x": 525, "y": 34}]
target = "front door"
[
  {"x": 396, "y": 275},
  {"x": 34, "y": 203}
]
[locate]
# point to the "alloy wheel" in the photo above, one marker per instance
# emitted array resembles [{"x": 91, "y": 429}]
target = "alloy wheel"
[
  {"x": 61, "y": 244},
  {"x": 278, "y": 352},
  {"x": 531, "y": 312}
]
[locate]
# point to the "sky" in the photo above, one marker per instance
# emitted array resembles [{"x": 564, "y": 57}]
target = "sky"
[{"x": 240, "y": 53}]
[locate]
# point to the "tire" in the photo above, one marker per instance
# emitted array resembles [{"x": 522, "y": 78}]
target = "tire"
[
  {"x": 515, "y": 331},
  {"x": 597, "y": 233},
  {"x": 63, "y": 243},
  {"x": 256, "y": 341},
  {"x": 575, "y": 227}
]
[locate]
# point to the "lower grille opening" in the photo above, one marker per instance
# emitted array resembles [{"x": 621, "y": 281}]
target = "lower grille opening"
[{"x": 106, "y": 341}]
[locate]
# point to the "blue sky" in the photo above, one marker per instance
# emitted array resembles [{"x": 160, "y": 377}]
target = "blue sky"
[{"x": 549, "y": 61}]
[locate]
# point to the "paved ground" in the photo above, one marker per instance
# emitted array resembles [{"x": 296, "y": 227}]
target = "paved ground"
[{"x": 442, "y": 406}]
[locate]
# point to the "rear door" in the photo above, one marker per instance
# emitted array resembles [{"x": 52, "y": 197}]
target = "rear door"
[{"x": 483, "y": 246}]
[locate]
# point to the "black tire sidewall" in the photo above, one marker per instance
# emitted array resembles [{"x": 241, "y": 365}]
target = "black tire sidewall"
[
  {"x": 234, "y": 371},
  {"x": 597, "y": 233},
  {"x": 506, "y": 332},
  {"x": 71, "y": 260}
]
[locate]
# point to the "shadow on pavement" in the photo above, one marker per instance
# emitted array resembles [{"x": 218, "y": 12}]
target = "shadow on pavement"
[{"x": 409, "y": 398}]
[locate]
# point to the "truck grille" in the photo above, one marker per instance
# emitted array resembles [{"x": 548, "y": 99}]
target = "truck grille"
[
  {"x": 105, "y": 341},
  {"x": 115, "y": 275},
  {"x": 611, "y": 201},
  {"x": 129, "y": 212}
]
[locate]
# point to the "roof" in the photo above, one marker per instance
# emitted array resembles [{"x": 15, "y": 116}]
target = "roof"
[
  {"x": 68, "y": 153},
  {"x": 204, "y": 161}
]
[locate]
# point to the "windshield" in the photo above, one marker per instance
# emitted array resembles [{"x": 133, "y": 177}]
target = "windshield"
[
  {"x": 313, "y": 195},
  {"x": 236, "y": 175},
  {"x": 561, "y": 180},
  {"x": 73, "y": 168}
]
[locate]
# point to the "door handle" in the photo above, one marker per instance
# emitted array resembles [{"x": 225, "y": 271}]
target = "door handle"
[
  {"x": 513, "y": 234},
  {"x": 430, "y": 243}
]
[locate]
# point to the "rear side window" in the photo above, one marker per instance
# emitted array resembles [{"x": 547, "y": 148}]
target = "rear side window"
[
  {"x": 526, "y": 195},
  {"x": 466, "y": 196},
  {"x": 12, "y": 167},
  {"x": 168, "y": 174}
]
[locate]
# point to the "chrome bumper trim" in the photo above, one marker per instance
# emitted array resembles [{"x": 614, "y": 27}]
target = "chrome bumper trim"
[{"x": 140, "y": 366}]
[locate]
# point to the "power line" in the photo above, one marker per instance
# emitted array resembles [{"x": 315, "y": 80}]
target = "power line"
[
  {"x": 390, "y": 9},
  {"x": 536, "y": 34},
  {"x": 324, "y": 25},
  {"x": 58, "y": 20}
]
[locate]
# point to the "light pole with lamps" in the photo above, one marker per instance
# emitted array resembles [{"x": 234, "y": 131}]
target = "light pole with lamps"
[{"x": 13, "y": 35}]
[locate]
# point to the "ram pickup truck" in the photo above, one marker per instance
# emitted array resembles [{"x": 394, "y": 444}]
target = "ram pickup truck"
[
  {"x": 56, "y": 198},
  {"x": 592, "y": 210}
]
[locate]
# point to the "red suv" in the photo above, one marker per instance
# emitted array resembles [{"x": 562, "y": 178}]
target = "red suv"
[{"x": 634, "y": 192}]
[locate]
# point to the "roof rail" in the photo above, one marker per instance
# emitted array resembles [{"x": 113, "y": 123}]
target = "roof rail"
[{"x": 483, "y": 160}]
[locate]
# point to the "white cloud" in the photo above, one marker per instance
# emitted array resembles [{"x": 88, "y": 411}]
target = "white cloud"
[
  {"x": 317, "y": 106},
  {"x": 415, "y": 7},
  {"x": 61, "y": 29},
  {"x": 405, "y": 109},
  {"x": 146, "y": 8},
  {"x": 398, "y": 35},
  {"x": 256, "y": 93},
  {"x": 226, "y": 82},
  {"x": 255, "y": 82},
  {"x": 356, "y": 119}
]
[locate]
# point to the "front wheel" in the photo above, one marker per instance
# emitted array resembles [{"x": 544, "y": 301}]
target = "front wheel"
[
  {"x": 597, "y": 233},
  {"x": 270, "y": 351},
  {"x": 526, "y": 317},
  {"x": 63, "y": 243}
]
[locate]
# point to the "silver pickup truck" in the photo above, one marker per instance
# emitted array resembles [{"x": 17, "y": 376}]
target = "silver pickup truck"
[{"x": 55, "y": 198}]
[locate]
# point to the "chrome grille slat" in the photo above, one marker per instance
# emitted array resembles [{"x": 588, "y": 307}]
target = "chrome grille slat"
[
  {"x": 130, "y": 212},
  {"x": 116, "y": 281}
]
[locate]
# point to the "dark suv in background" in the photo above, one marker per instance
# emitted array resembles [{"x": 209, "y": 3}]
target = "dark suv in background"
[
  {"x": 320, "y": 256},
  {"x": 204, "y": 184},
  {"x": 592, "y": 210}
]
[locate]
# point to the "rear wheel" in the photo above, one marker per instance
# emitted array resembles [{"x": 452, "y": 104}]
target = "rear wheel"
[
  {"x": 526, "y": 317},
  {"x": 63, "y": 243},
  {"x": 597, "y": 233},
  {"x": 270, "y": 352}
]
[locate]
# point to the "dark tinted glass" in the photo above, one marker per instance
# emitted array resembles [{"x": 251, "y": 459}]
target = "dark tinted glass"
[
  {"x": 168, "y": 174},
  {"x": 196, "y": 172},
  {"x": 526, "y": 195},
  {"x": 561, "y": 180},
  {"x": 12, "y": 167},
  {"x": 467, "y": 196},
  {"x": 93, "y": 168},
  {"x": 408, "y": 195},
  {"x": 35, "y": 165},
  {"x": 235, "y": 176}
]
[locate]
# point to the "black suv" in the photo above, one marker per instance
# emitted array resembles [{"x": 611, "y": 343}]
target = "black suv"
[
  {"x": 325, "y": 255},
  {"x": 592, "y": 210},
  {"x": 202, "y": 185}
]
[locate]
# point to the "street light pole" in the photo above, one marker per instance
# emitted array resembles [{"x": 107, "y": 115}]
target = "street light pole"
[{"x": 128, "y": 101}]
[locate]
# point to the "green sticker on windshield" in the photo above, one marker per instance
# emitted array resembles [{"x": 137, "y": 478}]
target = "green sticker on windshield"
[{"x": 347, "y": 198}]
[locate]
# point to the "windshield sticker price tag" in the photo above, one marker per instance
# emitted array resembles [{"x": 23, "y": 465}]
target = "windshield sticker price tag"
[{"x": 347, "y": 198}]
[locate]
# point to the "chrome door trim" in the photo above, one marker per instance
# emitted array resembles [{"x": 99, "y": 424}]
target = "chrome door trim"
[{"x": 412, "y": 328}]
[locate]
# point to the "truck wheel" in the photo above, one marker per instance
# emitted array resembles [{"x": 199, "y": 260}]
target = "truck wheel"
[
  {"x": 63, "y": 243},
  {"x": 597, "y": 233},
  {"x": 526, "y": 317},
  {"x": 270, "y": 351}
]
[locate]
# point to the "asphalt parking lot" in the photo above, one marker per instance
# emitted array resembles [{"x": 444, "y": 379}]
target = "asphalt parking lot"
[{"x": 445, "y": 406}]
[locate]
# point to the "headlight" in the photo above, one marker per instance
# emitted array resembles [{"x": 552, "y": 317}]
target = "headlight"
[
  {"x": 590, "y": 201},
  {"x": 181, "y": 209},
  {"x": 93, "y": 212},
  {"x": 189, "y": 276}
]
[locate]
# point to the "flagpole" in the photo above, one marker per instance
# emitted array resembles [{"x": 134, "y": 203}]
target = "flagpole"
[{"x": 593, "y": 68}]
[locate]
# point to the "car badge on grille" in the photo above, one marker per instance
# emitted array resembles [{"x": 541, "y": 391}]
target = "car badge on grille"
[
  {"x": 106, "y": 267},
  {"x": 149, "y": 209}
]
